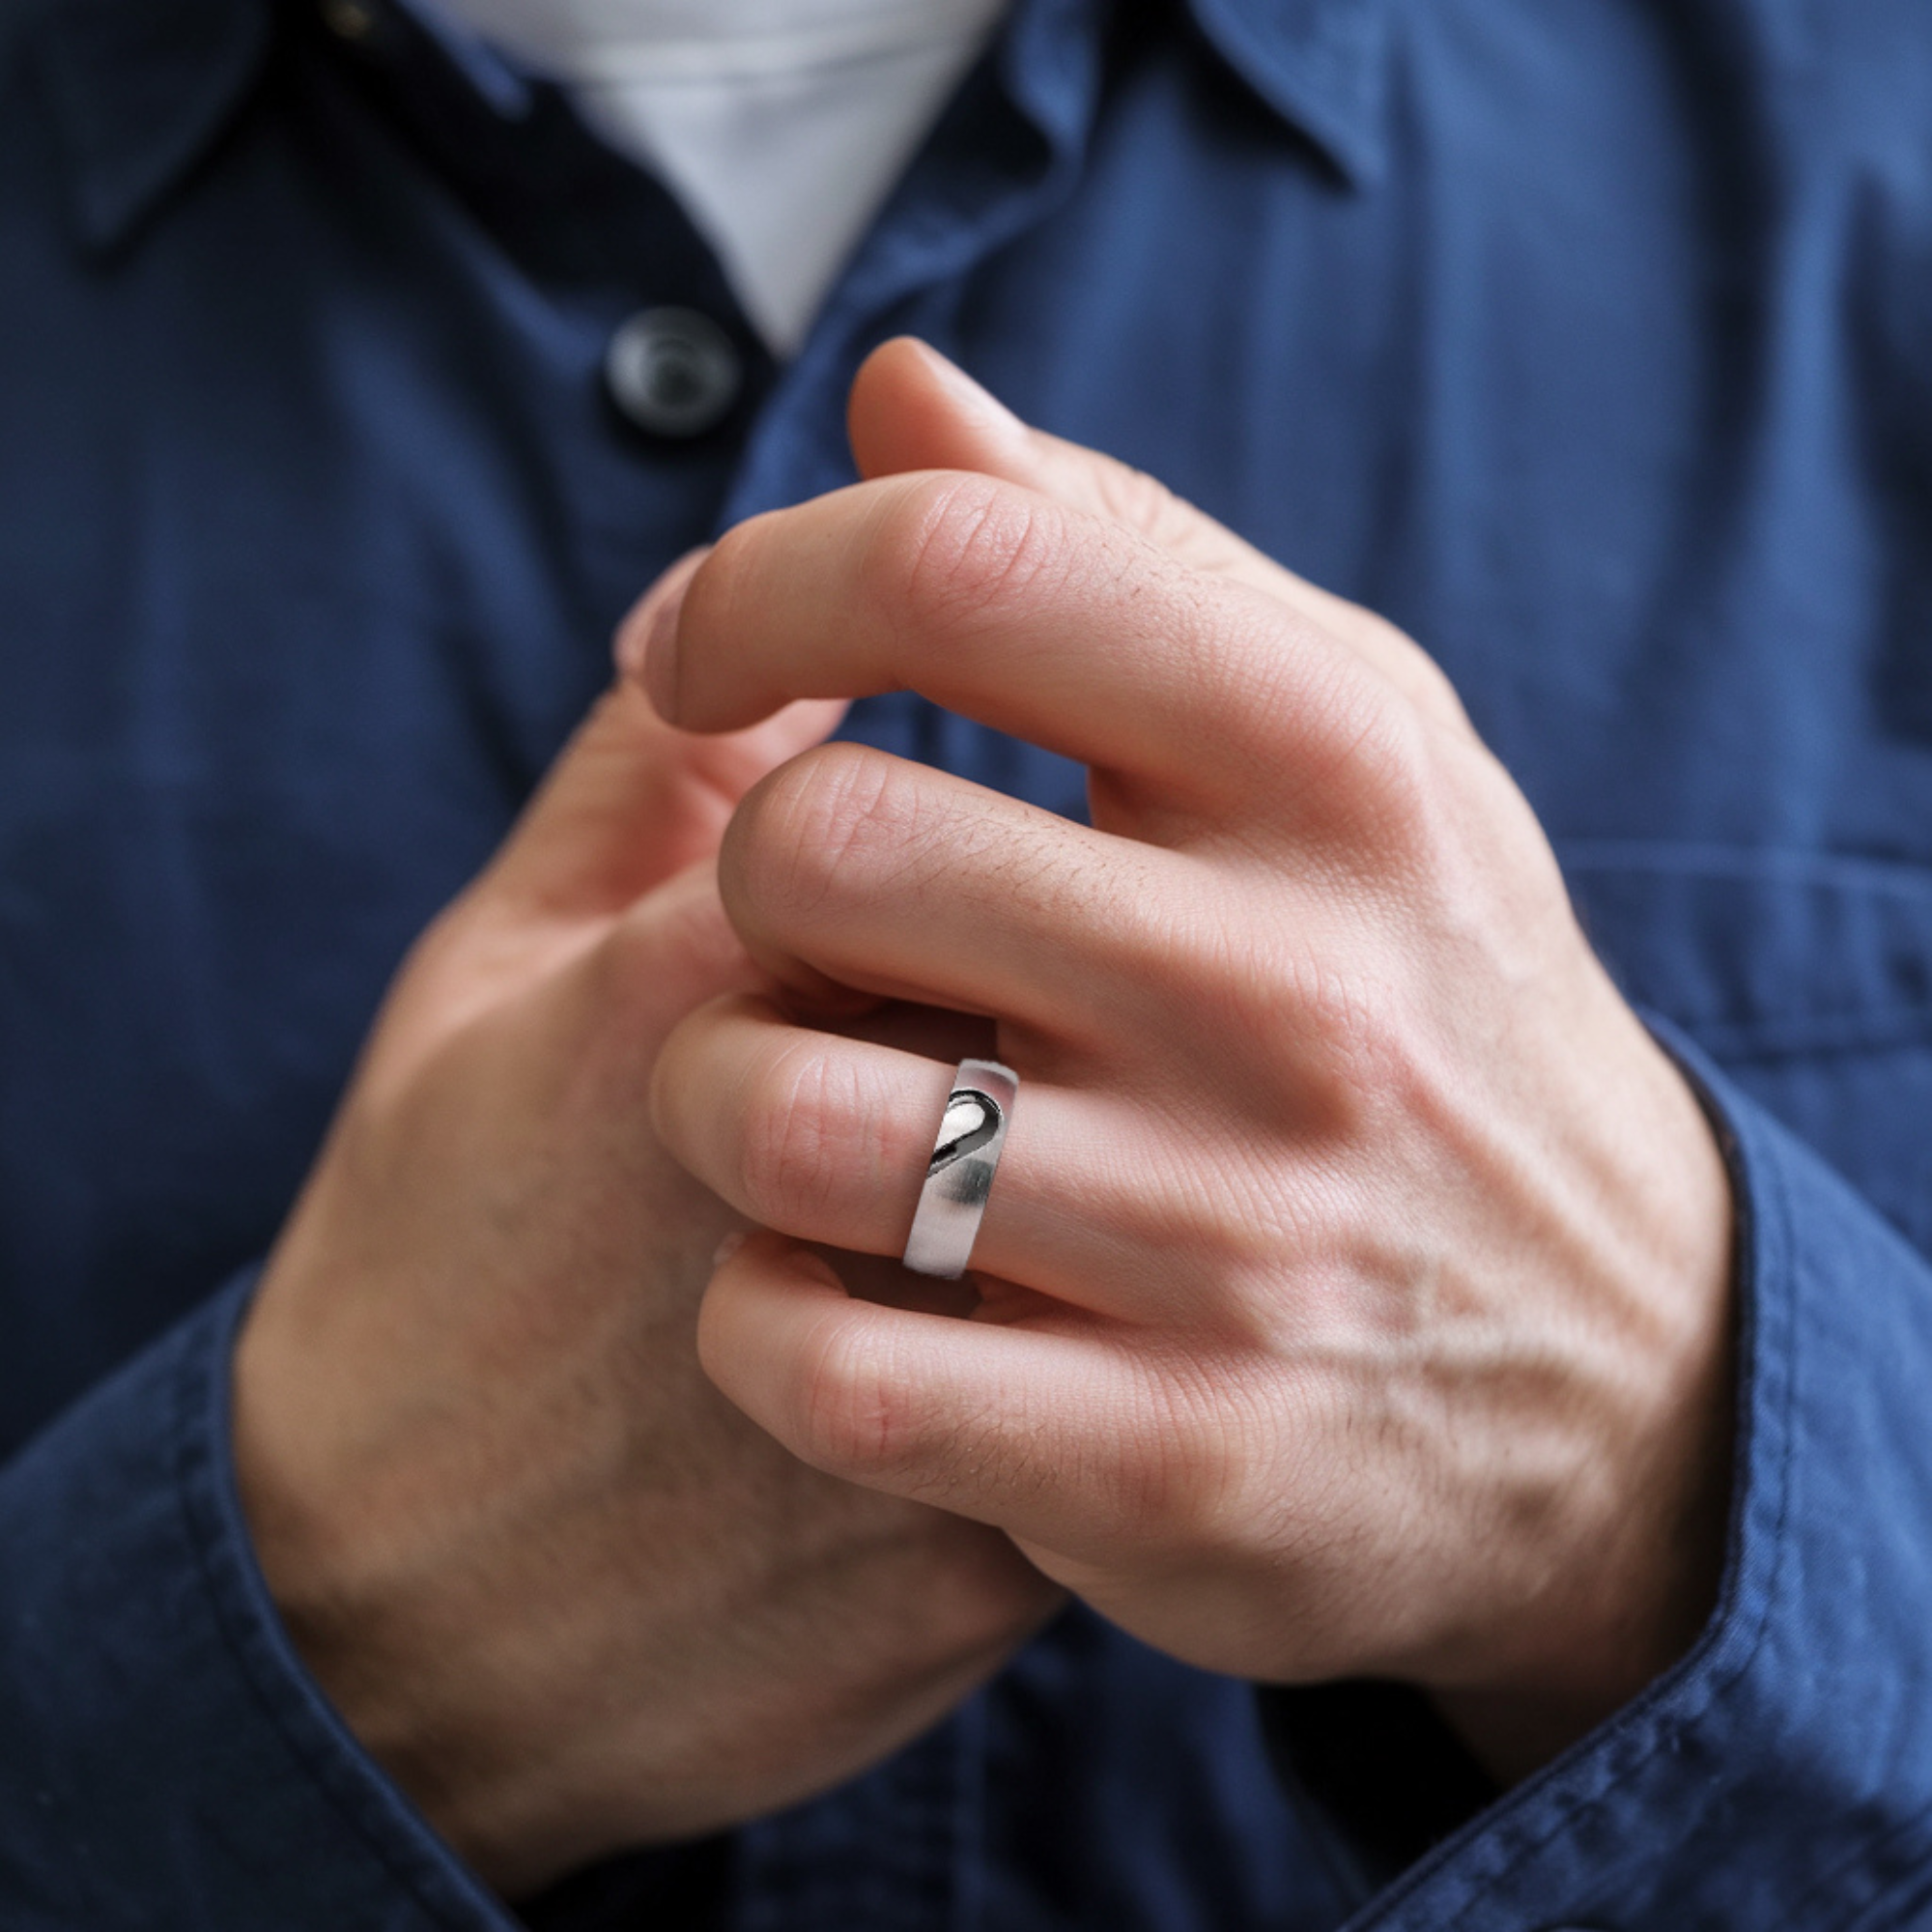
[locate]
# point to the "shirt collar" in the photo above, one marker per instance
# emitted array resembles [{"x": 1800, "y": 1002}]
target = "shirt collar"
[
  {"x": 1322, "y": 65},
  {"x": 142, "y": 90}
]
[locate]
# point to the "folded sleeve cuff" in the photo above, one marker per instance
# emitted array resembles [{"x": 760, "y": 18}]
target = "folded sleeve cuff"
[
  {"x": 1781, "y": 1773},
  {"x": 164, "y": 1757}
]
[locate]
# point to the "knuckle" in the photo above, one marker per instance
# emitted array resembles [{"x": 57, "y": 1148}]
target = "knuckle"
[
  {"x": 814, "y": 833},
  {"x": 797, "y": 1148},
  {"x": 1303, "y": 1031},
  {"x": 855, "y": 1418},
  {"x": 1390, "y": 767},
  {"x": 1364, "y": 766},
  {"x": 1354, "y": 1038},
  {"x": 1368, "y": 1065},
  {"x": 955, "y": 551},
  {"x": 1142, "y": 503},
  {"x": 1425, "y": 682},
  {"x": 1377, "y": 637}
]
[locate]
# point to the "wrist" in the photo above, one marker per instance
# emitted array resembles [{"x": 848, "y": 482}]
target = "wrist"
[
  {"x": 338, "y": 1556},
  {"x": 1646, "y": 1566}
]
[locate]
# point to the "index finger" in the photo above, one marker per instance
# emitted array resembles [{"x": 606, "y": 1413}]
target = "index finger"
[
  {"x": 911, "y": 409},
  {"x": 1040, "y": 620}
]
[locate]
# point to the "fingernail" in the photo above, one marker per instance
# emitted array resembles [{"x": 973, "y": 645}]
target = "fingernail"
[
  {"x": 659, "y": 666},
  {"x": 972, "y": 398},
  {"x": 728, "y": 1247},
  {"x": 650, "y": 633},
  {"x": 627, "y": 648}
]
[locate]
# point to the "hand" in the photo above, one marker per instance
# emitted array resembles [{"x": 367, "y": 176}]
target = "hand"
[
  {"x": 1356, "y": 1282},
  {"x": 564, "y": 1591}
]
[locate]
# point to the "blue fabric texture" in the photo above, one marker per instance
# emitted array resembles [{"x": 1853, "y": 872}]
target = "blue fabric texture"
[{"x": 1591, "y": 343}]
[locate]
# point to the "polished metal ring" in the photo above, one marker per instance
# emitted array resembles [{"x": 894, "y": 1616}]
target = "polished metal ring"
[{"x": 959, "y": 1176}]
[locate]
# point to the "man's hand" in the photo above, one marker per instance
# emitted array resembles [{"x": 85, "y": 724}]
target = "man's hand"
[
  {"x": 567, "y": 1594},
  {"x": 1356, "y": 1282}
]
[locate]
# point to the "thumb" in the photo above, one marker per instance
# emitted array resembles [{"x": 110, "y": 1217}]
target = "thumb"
[
  {"x": 911, "y": 409},
  {"x": 632, "y": 801}
]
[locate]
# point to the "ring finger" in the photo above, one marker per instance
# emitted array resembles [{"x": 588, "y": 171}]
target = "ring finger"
[{"x": 827, "y": 1139}]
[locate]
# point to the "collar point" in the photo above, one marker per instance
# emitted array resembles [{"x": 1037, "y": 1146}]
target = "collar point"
[
  {"x": 1321, "y": 65},
  {"x": 140, "y": 91}
]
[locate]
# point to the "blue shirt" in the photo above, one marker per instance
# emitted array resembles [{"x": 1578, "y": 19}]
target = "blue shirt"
[{"x": 1591, "y": 342}]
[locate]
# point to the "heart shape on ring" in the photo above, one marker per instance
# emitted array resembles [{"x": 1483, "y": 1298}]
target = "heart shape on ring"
[{"x": 971, "y": 1120}]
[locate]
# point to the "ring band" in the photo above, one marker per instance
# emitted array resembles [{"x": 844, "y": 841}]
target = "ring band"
[{"x": 959, "y": 1176}]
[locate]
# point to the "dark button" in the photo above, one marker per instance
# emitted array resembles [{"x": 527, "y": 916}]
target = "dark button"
[
  {"x": 352, "y": 20},
  {"x": 672, "y": 371}
]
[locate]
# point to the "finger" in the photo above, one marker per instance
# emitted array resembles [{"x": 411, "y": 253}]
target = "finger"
[
  {"x": 1048, "y": 623},
  {"x": 654, "y": 608},
  {"x": 874, "y": 872},
  {"x": 1043, "y": 1431},
  {"x": 911, "y": 409},
  {"x": 631, "y": 801},
  {"x": 850, "y": 868},
  {"x": 634, "y": 977},
  {"x": 827, "y": 1139}
]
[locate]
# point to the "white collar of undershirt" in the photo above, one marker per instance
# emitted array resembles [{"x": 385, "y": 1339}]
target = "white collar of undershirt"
[
  {"x": 781, "y": 124},
  {"x": 605, "y": 40}
]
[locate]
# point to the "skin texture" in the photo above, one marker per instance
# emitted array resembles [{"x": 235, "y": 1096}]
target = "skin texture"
[
  {"x": 1355, "y": 1286},
  {"x": 570, "y": 1597}
]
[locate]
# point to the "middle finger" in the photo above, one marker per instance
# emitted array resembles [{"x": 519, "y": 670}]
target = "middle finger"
[{"x": 906, "y": 882}]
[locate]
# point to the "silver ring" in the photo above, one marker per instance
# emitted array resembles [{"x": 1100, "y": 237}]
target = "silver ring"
[{"x": 959, "y": 1176}]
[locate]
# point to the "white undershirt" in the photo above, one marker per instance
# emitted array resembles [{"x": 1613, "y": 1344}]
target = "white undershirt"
[{"x": 780, "y": 124}]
